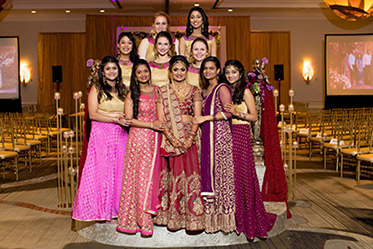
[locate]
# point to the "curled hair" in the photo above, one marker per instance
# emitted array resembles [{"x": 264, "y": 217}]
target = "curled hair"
[
  {"x": 199, "y": 39},
  {"x": 133, "y": 54},
  {"x": 205, "y": 20},
  {"x": 239, "y": 89},
  {"x": 167, "y": 35},
  {"x": 134, "y": 86},
  {"x": 204, "y": 83},
  {"x": 158, "y": 14},
  {"x": 104, "y": 88}
]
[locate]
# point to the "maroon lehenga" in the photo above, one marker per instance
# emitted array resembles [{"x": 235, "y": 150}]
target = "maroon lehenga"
[
  {"x": 251, "y": 216},
  {"x": 180, "y": 188},
  {"x": 217, "y": 167}
]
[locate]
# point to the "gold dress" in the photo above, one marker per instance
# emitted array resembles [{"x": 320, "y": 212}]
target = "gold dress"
[
  {"x": 159, "y": 73},
  {"x": 126, "y": 72},
  {"x": 192, "y": 77}
]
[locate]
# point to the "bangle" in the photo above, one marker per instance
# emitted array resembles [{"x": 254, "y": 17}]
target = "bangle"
[
  {"x": 151, "y": 125},
  {"x": 214, "y": 117},
  {"x": 115, "y": 120},
  {"x": 225, "y": 117}
]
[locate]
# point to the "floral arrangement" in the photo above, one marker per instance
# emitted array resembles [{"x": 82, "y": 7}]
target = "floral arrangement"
[
  {"x": 257, "y": 80},
  {"x": 94, "y": 66}
]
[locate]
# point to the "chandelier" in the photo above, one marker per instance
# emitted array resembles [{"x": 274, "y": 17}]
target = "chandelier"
[{"x": 351, "y": 10}]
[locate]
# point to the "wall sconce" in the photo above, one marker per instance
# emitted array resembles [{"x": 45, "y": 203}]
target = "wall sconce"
[
  {"x": 307, "y": 72},
  {"x": 25, "y": 73}
]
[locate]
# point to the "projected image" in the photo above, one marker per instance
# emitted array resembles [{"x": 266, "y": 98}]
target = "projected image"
[
  {"x": 9, "y": 68},
  {"x": 349, "y": 65}
]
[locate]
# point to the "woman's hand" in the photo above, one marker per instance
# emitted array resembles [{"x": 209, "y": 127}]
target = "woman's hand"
[
  {"x": 187, "y": 144},
  {"x": 124, "y": 122},
  {"x": 199, "y": 120},
  {"x": 158, "y": 126},
  {"x": 230, "y": 108}
]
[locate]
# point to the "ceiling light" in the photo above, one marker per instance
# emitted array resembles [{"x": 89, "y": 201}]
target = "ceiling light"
[
  {"x": 230, "y": 10},
  {"x": 351, "y": 10},
  {"x": 196, "y": 4},
  {"x": 33, "y": 11},
  {"x": 102, "y": 11},
  {"x": 67, "y": 11}
]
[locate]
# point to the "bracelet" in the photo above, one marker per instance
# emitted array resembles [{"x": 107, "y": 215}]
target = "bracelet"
[
  {"x": 151, "y": 125},
  {"x": 115, "y": 120},
  {"x": 225, "y": 117},
  {"x": 214, "y": 117}
]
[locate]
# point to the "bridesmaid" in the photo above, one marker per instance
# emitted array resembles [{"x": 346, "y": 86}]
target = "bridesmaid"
[
  {"x": 164, "y": 51},
  {"x": 217, "y": 170},
  {"x": 197, "y": 26},
  {"x": 161, "y": 22},
  {"x": 198, "y": 52},
  {"x": 99, "y": 190},
  {"x": 251, "y": 216},
  {"x": 127, "y": 55},
  {"x": 138, "y": 199}
]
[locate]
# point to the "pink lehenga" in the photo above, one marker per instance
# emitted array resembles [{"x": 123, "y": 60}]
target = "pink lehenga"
[
  {"x": 180, "y": 188},
  {"x": 101, "y": 181},
  {"x": 138, "y": 200}
]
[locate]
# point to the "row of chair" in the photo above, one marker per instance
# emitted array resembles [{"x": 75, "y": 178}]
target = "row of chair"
[{"x": 337, "y": 132}]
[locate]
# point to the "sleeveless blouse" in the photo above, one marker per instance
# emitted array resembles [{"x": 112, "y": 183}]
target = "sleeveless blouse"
[
  {"x": 240, "y": 108},
  {"x": 192, "y": 77},
  {"x": 159, "y": 73},
  {"x": 111, "y": 107},
  {"x": 126, "y": 73}
]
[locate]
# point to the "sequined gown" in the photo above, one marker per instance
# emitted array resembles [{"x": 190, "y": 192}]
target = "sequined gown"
[
  {"x": 138, "y": 200},
  {"x": 251, "y": 216},
  {"x": 98, "y": 194}
]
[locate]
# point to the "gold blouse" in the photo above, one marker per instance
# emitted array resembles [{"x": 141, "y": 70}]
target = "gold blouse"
[
  {"x": 113, "y": 107},
  {"x": 126, "y": 74},
  {"x": 150, "y": 52},
  {"x": 240, "y": 108},
  {"x": 192, "y": 77},
  {"x": 159, "y": 73}
]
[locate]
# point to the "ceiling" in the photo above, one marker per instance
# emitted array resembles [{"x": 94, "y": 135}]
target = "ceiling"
[{"x": 152, "y": 6}]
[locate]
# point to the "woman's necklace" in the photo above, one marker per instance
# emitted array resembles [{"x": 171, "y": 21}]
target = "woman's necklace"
[{"x": 180, "y": 89}]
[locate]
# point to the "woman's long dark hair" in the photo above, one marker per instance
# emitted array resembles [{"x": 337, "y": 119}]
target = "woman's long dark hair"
[
  {"x": 205, "y": 25},
  {"x": 239, "y": 89},
  {"x": 204, "y": 82},
  {"x": 103, "y": 87},
  {"x": 133, "y": 54},
  {"x": 134, "y": 86}
]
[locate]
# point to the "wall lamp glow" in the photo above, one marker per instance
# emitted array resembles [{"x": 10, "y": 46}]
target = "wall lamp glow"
[
  {"x": 25, "y": 73},
  {"x": 307, "y": 72}
]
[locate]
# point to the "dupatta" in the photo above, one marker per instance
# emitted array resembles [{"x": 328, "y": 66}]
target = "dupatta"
[{"x": 174, "y": 120}]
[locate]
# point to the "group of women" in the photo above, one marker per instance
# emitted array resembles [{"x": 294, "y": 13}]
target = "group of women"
[{"x": 170, "y": 138}]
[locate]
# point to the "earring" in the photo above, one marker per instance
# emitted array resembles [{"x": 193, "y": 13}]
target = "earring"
[
  {"x": 118, "y": 53},
  {"x": 191, "y": 29},
  {"x": 203, "y": 29},
  {"x": 104, "y": 80}
]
